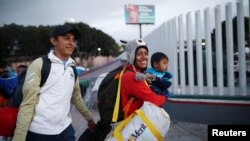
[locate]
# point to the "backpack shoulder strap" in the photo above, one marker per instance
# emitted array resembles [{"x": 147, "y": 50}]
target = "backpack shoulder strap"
[
  {"x": 117, "y": 101},
  {"x": 46, "y": 66},
  {"x": 75, "y": 72}
]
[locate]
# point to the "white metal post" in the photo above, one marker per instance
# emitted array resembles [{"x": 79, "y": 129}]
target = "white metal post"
[
  {"x": 229, "y": 43},
  {"x": 181, "y": 53},
  {"x": 175, "y": 55},
  {"x": 241, "y": 47},
  {"x": 209, "y": 61},
  {"x": 170, "y": 49},
  {"x": 199, "y": 52},
  {"x": 219, "y": 55},
  {"x": 190, "y": 54}
]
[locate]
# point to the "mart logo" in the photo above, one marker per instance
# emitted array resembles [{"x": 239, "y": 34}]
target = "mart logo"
[{"x": 137, "y": 133}]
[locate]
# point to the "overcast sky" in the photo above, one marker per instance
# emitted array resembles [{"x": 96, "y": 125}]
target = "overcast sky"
[{"x": 106, "y": 15}]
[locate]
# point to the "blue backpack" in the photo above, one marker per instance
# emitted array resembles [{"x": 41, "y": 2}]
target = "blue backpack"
[{"x": 17, "y": 95}]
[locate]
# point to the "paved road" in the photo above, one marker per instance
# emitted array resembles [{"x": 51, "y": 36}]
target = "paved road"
[{"x": 179, "y": 131}]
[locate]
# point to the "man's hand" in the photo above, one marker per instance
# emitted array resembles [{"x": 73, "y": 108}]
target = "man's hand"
[{"x": 91, "y": 125}]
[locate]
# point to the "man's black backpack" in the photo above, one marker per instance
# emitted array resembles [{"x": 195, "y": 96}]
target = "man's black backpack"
[{"x": 18, "y": 94}]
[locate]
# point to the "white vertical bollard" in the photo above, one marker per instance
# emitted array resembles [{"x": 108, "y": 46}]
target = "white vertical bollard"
[
  {"x": 199, "y": 52},
  {"x": 229, "y": 43},
  {"x": 190, "y": 54},
  {"x": 175, "y": 55},
  {"x": 241, "y": 47},
  {"x": 219, "y": 55},
  {"x": 209, "y": 61},
  {"x": 181, "y": 54}
]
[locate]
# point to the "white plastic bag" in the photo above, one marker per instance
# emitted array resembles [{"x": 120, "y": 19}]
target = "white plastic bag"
[{"x": 149, "y": 123}]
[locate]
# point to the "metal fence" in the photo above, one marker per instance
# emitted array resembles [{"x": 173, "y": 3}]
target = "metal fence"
[{"x": 198, "y": 68}]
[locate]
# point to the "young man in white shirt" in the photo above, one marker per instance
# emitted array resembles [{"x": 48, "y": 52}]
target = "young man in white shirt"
[{"x": 44, "y": 114}]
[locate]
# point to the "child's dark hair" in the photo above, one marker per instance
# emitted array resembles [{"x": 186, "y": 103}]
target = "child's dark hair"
[{"x": 157, "y": 57}]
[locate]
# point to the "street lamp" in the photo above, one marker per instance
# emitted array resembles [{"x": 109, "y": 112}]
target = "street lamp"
[{"x": 99, "y": 51}]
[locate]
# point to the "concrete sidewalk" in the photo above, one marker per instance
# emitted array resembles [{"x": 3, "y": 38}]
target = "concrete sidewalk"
[
  {"x": 186, "y": 131},
  {"x": 179, "y": 131}
]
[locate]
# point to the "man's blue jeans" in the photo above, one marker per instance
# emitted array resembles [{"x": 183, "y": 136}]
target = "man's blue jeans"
[{"x": 67, "y": 135}]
